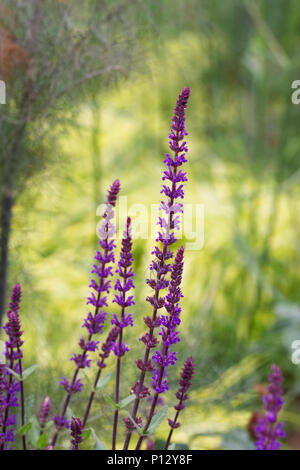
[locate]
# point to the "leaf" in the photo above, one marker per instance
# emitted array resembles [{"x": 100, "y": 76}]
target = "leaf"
[
  {"x": 29, "y": 371},
  {"x": 24, "y": 429},
  {"x": 69, "y": 413},
  {"x": 126, "y": 401},
  {"x": 88, "y": 380},
  {"x": 12, "y": 372},
  {"x": 104, "y": 381},
  {"x": 29, "y": 401},
  {"x": 110, "y": 401},
  {"x": 237, "y": 439},
  {"x": 34, "y": 432},
  {"x": 49, "y": 424},
  {"x": 157, "y": 419},
  {"x": 98, "y": 444},
  {"x": 172, "y": 446},
  {"x": 42, "y": 441},
  {"x": 86, "y": 434}
]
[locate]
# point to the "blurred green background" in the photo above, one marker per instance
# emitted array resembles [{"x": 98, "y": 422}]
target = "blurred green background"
[{"x": 241, "y": 306}]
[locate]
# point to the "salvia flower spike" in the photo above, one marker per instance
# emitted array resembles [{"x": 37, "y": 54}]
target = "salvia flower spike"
[
  {"x": 268, "y": 430},
  {"x": 13, "y": 387},
  {"x": 94, "y": 322},
  {"x": 185, "y": 383},
  {"x": 123, "y": 286},
  {"x": 169, "y": 335},
  {"x": 76, "y": 433},
  {"x": 169, "y": 223},
  {"x": 44, "y": 412}
]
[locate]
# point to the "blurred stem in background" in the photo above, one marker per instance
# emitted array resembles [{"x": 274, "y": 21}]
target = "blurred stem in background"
[{"x": 96, "y": 156}]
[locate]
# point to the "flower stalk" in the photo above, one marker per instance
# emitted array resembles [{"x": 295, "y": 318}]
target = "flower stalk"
[
  {"x": 185, "y": 383},
  {"x": 76, "y": 433},
  {"x": 169, "y": 337},
  {"x": 14, "y": 355},
  {"x": 169, "y": 222},
  {"x": 123, "y": 286},
  {"x": 94, "y": 322},
  {"x": 267, "y": 430}
]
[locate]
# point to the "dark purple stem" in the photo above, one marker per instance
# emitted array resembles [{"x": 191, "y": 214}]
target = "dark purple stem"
[
  {"x": 22, "y": 402},
  {"x": 172, "y": 429},
  {"x": 117, "y": 394},
  {"x": 11, "y": 366}
]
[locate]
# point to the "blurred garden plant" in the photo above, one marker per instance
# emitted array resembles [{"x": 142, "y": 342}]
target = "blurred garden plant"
[
  {"x": 166, "y": 275},
  {"x": 53, "y": 54}
]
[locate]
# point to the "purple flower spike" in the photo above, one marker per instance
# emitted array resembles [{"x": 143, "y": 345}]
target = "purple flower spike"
[
  {"x": 185, "y": 383},
  {"x": 14, "y": 355},
  {"x": 170, "y": 323},
  {"x": 169, "y": 222},
  {"x": 76, "y": 433},
  {"x": 268, "y": 432},
  {"x": 14, "y": 304},
  {"x": 94, "y": 322},
  {"x": 123, "y": 285},
  {"x": 107, "y": 346},
  {"x": 113, "y": 193},
  {"x": 44, "y": 412}
]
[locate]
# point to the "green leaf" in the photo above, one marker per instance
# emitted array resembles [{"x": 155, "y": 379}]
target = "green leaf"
[
  {"x": 139, "y": 430},
  {"x": 69, "y": 413},
  {"x": 29, "y": 371},
  {"x": 88, "y": 380},
  {"x": 237, "y": 439},
  {"x": 127, "y": 400},
  {"x": 49, "y": 424},
  {"x": 42, "y": 441},
  {"x": 29, "y": 401},
  {"x": 157, "y": 419},
  {"x": 24, "y": 429},
  {"x": 110, "y": 401},
  {"x": 172, "y": 446},
  {"x": 104, "y": 381},
  {"x": 86, "y": 434},
  {"x": 34, "y": 432},
  {"x": 98, "y": 444},
  {"x": 12, "y": 372}
]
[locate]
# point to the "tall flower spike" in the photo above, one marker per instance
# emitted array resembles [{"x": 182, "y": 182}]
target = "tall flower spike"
[
  {"x": 169, "y": 335},
  {"x": 169, "y": 324},
  {"x": 123, "y": 286},
  {"x": 76, "y": 433},
  {"x": 14, "y": 355},
  {"x": 268, "y": 432},
  {"x": 94, "y": 322},
  {"x": 14, "y": 304},
  {"x": 169, "y": 223},
  {"x": 44, "y": 412},
  {"x": 185, "y": 383}
]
